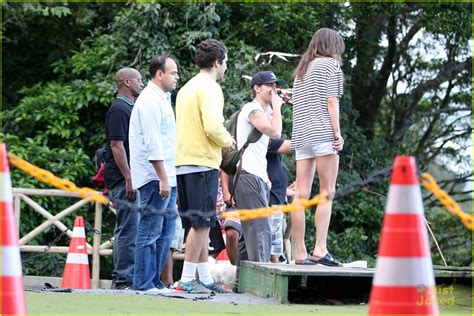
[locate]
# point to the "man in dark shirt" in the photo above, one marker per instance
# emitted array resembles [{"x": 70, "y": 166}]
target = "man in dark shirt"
[
  {"x": 117, "y": 176},
  {"x": 278, "y": 176}
]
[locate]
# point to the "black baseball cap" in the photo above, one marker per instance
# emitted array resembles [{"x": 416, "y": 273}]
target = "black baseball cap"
[{"x": 264, "y": 77}]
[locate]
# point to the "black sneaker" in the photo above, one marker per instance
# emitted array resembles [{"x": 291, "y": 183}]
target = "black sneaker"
[
  {"x": 121, "y": 286},
  {"x": 214, "y": 287}
]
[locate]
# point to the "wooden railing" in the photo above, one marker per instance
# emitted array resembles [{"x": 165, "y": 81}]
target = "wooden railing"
[{"x": 96, "y": 249}]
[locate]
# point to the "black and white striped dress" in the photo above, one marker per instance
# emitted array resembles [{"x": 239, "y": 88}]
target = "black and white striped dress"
[{"x": 311, "y": 122}]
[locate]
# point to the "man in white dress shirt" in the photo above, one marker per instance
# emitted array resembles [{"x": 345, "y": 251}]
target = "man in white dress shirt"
[{"x": 152, "y": 139}]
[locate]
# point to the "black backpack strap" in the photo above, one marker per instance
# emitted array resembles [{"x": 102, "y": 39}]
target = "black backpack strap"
[
  {"x": 239, "y": 170},
  {"x": 236, "y": 179},
  {"x": 253, "y": 137}
]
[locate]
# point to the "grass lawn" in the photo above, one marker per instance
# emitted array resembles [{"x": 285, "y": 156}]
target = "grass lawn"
[
  {"x": 62, "y": 303},
  {"x": 130, "y": 304}
]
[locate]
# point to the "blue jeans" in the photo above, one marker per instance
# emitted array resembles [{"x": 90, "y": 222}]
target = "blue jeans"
[
  {"x": 124, "y": 236},
  {"x": 156, "y": 228}
]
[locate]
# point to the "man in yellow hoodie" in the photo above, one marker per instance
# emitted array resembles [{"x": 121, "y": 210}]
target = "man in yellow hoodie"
[{"x": 200, "y": 137}]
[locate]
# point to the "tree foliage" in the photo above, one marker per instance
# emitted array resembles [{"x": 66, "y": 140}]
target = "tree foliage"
[{"x": 407, "y": 72}]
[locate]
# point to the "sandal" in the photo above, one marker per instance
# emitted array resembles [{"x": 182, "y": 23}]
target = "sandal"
[
  {"x": 327, "y": 260},
  {"x": 305, "y": 262}
]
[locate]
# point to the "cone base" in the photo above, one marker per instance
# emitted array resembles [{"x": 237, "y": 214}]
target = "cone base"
[
  {"x": 403, "y": 300},
  {"x": 13, "y": 296},
  {"x": 76, "y": 276}
]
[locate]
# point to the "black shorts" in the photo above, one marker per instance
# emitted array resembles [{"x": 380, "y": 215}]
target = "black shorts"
[{"x": 197, "y": 194}]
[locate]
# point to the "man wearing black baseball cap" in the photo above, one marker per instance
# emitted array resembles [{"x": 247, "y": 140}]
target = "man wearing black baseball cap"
[
  {"x": 263, "y": 77},
  {"x": 252, "y": 190}
]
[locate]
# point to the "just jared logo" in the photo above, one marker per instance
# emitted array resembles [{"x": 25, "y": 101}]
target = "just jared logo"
[{"x": 428, "y": 295}]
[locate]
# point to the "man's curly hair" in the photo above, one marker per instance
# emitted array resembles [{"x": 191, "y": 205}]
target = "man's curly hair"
[{"x": 208, "y": 51}]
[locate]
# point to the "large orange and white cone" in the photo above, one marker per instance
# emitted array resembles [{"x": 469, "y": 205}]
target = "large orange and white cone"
[
  {"x": 404, "y": 281},
  {"x": 76, "y": 270},
  {"x": 13, "y": 295}
]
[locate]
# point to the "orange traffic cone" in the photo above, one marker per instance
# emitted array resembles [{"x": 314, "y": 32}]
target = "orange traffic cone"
[
  {"x": 13, "y": 295},
  {"x": 76, "y": 271},
  {"x": 404, "y": 280},
  {"x": 223, "y": 257}
]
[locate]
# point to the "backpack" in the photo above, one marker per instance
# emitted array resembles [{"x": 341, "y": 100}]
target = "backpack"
[
  {"x": 231, "y": 158},
  {"x": 100, "y": 155},
  {"x": 99, "y": 161}
]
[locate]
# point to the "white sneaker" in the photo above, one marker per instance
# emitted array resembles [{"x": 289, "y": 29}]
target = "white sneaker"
[
  {"x": 153, "y": 290},
  {"x": 164, "y": 290}
]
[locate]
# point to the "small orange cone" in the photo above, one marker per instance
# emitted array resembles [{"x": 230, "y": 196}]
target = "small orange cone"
[
  {"x": 76, "y": 271},
  {"x": 223, "y": 257},
  {"x": 404, "y": 280},
  {"x": 13, "y": 295}
]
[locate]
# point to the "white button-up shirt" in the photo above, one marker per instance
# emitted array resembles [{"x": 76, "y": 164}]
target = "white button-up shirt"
[{"x": 152, "y": 136}]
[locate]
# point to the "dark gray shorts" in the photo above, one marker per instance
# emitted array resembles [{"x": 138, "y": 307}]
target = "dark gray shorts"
[{"x": 232, "y": 224}]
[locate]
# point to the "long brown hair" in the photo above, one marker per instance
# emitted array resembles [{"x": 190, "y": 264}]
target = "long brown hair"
[{"x": 325, "y": 43}]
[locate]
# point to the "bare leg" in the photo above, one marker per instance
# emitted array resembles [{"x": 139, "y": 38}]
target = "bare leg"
[
  {"x": 328, "y": 167},
  {"x": 232, "y": 245},
  {"x": 197, "y": 245},
  {"x": 304, "y": 178},
  {"x": 204, "y": 254}
]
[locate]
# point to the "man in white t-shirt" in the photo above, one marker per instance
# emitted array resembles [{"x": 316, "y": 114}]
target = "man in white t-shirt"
[{"x": 253, "y": 186}]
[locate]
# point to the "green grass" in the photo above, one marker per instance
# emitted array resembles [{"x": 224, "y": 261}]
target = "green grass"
[
  {"x": 61, "y": 304},
  {"x": 124, "y": 304}
]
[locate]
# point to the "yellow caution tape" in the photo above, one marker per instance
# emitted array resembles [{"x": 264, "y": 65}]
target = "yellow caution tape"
[
  {"x": 49, "y": 178},
  {"x": 298, "y": 205},
  {"x": 451, "y": 205}
]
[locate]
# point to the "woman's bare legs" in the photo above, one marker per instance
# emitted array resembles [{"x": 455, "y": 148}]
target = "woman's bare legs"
[
  {"x": 305, "y": 170},
  {"x": 328, "y": 167}
]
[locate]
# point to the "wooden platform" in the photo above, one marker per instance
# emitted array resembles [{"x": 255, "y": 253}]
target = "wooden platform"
[{"x": 289, "y": 283}]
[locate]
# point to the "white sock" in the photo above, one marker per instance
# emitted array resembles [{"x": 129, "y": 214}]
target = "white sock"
[
  {"x": 189, "y": 271},
  {"x": 205, "y": 273}
]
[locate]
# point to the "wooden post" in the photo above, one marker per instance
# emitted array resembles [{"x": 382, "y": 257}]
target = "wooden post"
[
  {"x": 23, "y": 195},
  {"x": 96, "y": 246},
  {"x": 51, "y": 220},
  {"x": 17, "y": 211}
]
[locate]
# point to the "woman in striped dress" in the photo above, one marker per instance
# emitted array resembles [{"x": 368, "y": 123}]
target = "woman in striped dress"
[{"x": 316, "y": 136}]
